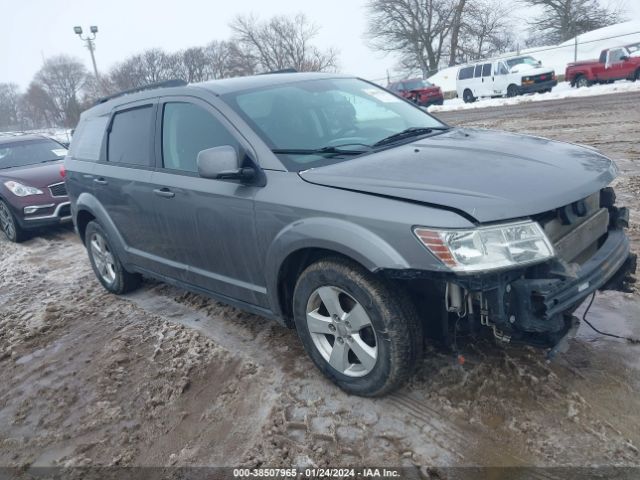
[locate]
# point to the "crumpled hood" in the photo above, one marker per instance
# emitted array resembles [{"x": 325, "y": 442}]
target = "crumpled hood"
[
  {"x": 486, "y": 174},
  {"x": 38, "y": 175}
]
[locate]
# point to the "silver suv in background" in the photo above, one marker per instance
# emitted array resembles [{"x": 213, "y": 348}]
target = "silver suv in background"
[{"x": 346, "y": 212}]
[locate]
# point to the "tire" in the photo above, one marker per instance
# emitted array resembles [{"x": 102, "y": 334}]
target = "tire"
[
  {"x": 512, "y": 90},
  {"x": 582, "y": 81},
  {"x": 373, "y": 340},
  {"x": 636, "y": 77},
  {"x": 105, "y": 262},
  {"x": 468, "y": 97},
  {"x": 9, "y": 224}
]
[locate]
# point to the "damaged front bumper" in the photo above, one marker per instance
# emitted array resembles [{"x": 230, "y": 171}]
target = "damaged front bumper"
[{"x": 536, "y": 306}]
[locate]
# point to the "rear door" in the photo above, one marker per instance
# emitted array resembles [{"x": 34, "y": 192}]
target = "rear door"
[
  {"x": 210, "y": 222},
  {"x": 486, "y": 80},
  {"x": 122, "y": 181}
]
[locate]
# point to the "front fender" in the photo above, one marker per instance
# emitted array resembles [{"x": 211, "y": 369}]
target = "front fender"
[{"x": 340, "y": 236}]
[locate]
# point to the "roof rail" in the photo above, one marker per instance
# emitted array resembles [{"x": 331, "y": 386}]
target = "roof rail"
[
  {"x": 165, "y": 84},
  {"x": 282, "y": 70}
]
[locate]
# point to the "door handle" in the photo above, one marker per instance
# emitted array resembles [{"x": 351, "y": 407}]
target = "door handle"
[
  {"x": 100, "y": 181},
  {"x": 164, "y": 192}
]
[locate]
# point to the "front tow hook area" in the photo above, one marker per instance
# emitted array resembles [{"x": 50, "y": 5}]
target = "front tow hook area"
[{"x": 563, "y": 344}]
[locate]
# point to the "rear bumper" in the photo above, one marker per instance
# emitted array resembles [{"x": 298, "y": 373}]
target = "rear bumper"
[{"x": 537, "y": 87}]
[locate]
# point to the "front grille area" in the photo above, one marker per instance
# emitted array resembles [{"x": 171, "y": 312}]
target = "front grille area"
[
  {"x": 576, "y": 229},
  {"x": 58, "y": 190},
  {"x": 65, "y": 211}
]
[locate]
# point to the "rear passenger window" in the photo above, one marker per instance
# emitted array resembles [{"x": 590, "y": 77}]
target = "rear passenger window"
[
  {"x": 86, "y": 142},
  {"x": 486, "y": 70},
  {"x": 188, "y": 129},
  {"x": 130, "y": 137},
  {"x": 478, "y": 71},
  {"x": 465, "y": 73}
]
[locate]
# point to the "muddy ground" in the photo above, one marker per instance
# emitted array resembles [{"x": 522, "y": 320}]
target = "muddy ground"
[{"x": 165, "y": 377}]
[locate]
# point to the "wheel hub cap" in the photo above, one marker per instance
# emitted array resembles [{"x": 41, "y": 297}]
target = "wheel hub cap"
[{"x": 342, "y": 331}]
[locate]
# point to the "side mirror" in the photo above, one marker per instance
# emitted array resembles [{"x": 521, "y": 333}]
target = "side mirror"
[{"x": 222, "y": 163}]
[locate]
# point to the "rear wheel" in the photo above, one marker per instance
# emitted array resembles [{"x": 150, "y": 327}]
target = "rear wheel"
[
  {"x": 105, "y": 262},
  {"x": 512, "y": 90},
  {"x": 582, "y": 81},
  {"x": 636, "y": 77},
  {"x": 9, "y": 225},
  {"x": 468, "y": 97},
  {"x": 361, "y": 332}
]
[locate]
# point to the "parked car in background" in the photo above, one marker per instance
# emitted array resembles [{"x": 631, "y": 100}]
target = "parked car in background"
[
  {"x": 617, "y": 63},
  {"x": 336, "y": 208},
  {"x": 504, "y": 77},
  {"x": 32, "y": 189},
  {"x": 419, "y": 91}
]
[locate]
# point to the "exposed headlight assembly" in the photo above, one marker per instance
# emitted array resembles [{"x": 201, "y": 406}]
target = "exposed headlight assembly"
[
  {"x": 488, "y": 248},
  {"x": 21, "y": 190}
]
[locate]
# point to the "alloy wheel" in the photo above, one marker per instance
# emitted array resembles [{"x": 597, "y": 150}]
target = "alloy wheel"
[
  {"x": 103, "y": 258},
  {"x": 342, "y": 331},
  {"x": 582, "y": 82},
  {"x": 6, "y": 221}
]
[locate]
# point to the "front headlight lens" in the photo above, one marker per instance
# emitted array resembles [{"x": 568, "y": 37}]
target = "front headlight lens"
[
  {"x": 488, "y": 248},
  {"x": 21, "y": 190}
]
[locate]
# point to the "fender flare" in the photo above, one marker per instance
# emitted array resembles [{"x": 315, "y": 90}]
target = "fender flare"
[
  {"x": 340, "y": 236},
  {"x": 87, "y": 202}
]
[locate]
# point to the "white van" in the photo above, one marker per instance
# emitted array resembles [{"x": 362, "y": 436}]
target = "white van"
[{"x": 505, "y": 76}]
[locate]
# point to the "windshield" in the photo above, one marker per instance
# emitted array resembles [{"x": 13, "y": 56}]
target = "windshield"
[
  {"x": 309, "y": 115},
  {"x": 416, "y": 84},
  {"x": 526, "y": 60},
  {"x": 28, "y": 152}
]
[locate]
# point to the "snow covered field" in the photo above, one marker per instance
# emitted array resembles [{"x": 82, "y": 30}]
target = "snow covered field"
[{"x": 563, "y": 90}]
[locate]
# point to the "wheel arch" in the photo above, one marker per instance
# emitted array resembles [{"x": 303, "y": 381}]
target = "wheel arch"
[
  {"x": 301, "y": 244},
  {"x": 88, "y": 208}
]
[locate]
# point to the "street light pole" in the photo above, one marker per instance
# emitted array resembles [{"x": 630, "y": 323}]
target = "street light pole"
[{"x": 90, "y": 45}]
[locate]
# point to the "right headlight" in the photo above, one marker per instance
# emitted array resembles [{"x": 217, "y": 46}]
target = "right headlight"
[
  {"x": 488, "y": 248},
  {"x": 20, "y": 190}
]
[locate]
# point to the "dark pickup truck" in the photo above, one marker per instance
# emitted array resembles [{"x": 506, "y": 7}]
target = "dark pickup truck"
[{"x": 617, "y": 63}]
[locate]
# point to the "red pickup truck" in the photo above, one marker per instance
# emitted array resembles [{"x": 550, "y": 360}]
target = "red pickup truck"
[{"x": 614, "y": 64}]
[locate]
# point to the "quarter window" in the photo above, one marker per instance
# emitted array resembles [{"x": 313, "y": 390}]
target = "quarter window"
[
  {"x": 188, "y": 129},
  {"x": 87, "y": 139},
  {"x": 130, "y": 137}
]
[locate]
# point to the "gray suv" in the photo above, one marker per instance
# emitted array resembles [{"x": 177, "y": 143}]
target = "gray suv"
[{"x": 339, "y": 209}]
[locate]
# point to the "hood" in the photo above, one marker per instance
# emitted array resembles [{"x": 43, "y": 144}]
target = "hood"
[
  {"x": 529, "y": 70},
  {"x": 488, "y": 175},
  {"x": 39, "y": 175}
]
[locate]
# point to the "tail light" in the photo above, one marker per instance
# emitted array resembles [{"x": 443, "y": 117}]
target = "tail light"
[{"x": 63, "y": 172}]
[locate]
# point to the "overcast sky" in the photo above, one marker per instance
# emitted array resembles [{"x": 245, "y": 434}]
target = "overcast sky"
[{"x": 33, "y": 29}]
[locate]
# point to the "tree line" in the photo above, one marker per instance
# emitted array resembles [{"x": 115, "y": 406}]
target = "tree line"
[
  {"x": 430, "y": 34},
  {"x": 424, "y": 34},
  {"x": 63, "y": 87}
]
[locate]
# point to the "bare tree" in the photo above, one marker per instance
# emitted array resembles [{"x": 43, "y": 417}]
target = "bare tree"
[
  {"x": 60, "y": 79},
  {"x": 282, "y": 42},
  {"x": 456, "y": 24},
  {"x": 9, "y": 106},
  {"x": 417, "y": 30},
  {"x": 227, "y": 59},
  {"x": 561, "y": 20},
  {"x": 485, "y": 30}
]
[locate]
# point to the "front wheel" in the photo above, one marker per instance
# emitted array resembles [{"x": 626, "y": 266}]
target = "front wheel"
[
  {"x": 105, "y": 262},
  {"x": 361, "y": 332},
  {"x": 512, "y": 91},
  {"x": 9, "y": 225}
]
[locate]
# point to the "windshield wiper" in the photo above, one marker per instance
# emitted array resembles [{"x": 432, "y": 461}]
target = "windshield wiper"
[
  {"x": 409, "y": 132},
  {"x": 331, "y": 150}
]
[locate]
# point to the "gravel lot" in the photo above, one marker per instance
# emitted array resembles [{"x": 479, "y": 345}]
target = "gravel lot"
[{"x": 165, "y": 377}]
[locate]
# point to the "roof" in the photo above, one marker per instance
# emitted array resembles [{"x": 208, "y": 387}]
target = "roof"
[
  {"x": 21, "y": 138},
  {"x": 236, "y": 84}
]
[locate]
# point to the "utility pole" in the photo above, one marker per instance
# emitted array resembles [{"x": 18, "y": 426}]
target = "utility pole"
[{"x": 90, "y": 45}]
